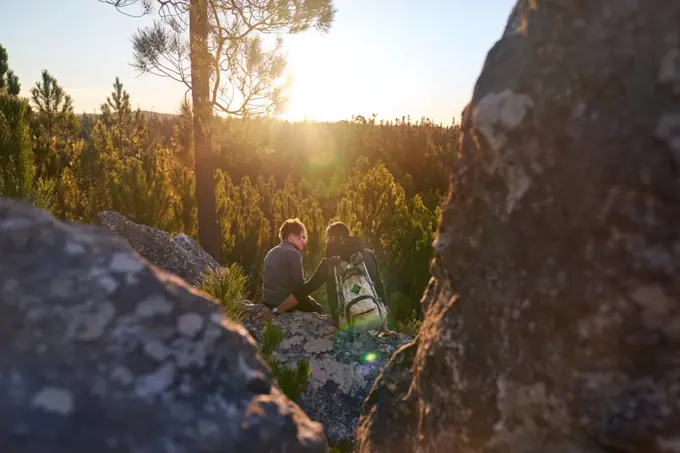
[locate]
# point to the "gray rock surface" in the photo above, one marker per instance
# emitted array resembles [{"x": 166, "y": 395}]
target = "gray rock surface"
[
  {"x": 552, "y": 323},
  {"x": 180, "y": 255},
  {"x": 343, "y": 371},
  {"x": 103, "y": 352}
]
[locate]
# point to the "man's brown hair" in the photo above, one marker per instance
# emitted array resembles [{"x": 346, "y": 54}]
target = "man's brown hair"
[{"x": 291, "y": 226}]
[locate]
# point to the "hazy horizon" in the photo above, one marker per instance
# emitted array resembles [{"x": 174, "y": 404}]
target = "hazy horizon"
[{"x": 403, "y": 61}]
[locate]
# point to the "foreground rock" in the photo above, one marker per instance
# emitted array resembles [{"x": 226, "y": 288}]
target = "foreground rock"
[
  {"x": 180, "y": 255},
  {"x": 553, "y": 323},
  {"x": 105, "y": 353},
  {"x": 343, "y": 371}
]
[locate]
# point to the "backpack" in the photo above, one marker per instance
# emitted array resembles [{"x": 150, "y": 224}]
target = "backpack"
[{"x": 358, "y": 306}]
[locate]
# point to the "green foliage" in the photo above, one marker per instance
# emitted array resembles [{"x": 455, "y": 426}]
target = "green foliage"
[
  {"x": 409, "y": 325},
  {"x": 142, "y": 190},
  {"x": 8, "y": 79},
  {"x": 228, "y": 285},
  {"x": 292, "y": 380},
  {"x": 182, "y": 141},
  {"x": 4, "y": 67},
  {"x": 184, "y": 210},
  {"x": 401, "y": 307},
  {"x": 343, "y": 447},
  {"x": 271, "y": 339},
  {"x": 44, "y": 194},
  {"x": 54, "y": 127},
  {"x": 17, "y": 170},
  {"x": 13, "y": 85},
  {"x": 384, "y": 179}
]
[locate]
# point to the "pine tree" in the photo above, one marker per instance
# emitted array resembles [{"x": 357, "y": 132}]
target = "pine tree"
[
  {"x": 184, "y": 206},
  {"x": 54, "y": 126},
  {"x": 126, "y": 129},
  {"x": 182, "y": 135},
  {"x": 17, "y": 170},
  {"x": 4, "y": 67},
  {"x": 378, "y": 202},
  {"x": 226, "y": 202},
  {"x": 142, "y": 190},
  {"x": 8, "y": 79},
  {"x": 96, "y": 167}
]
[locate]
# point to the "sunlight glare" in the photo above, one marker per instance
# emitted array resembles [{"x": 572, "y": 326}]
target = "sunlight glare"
[{"x": 320, "y": 88}]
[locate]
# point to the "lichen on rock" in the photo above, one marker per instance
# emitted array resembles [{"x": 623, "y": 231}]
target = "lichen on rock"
[{"x": 343, "y": 368}]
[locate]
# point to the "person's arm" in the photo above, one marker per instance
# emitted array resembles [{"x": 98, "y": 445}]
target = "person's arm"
[
  {"x": 316, "y": 280},
  {"x": 290, "y": 302},
  {"x": 267, "y": 314}
]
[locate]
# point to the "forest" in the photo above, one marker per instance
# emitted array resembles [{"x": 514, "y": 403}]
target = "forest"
[{"x": 385, "y": 179}]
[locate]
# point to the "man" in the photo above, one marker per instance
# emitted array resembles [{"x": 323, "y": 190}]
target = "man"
[
  {"x": 283, "y": 273},
  {"x": 340, "y": 243}
]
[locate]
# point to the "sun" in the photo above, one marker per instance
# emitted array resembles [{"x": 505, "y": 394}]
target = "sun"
[{"x": 317, "y": 89}]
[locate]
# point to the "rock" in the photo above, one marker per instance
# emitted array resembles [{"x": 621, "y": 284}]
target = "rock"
[
  {"x": 343, "y": 371},
  {"x": 552, "y": 321},
  {"x": 105, "y": 352},
  {"x": 180, "y": 255}
]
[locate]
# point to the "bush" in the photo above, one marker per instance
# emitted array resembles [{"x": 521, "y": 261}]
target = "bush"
[
  {"x": 343, "y": 447},
  {"x": 43, "y": 195},
  {"x": 401, "y": 308},
  {"x": 271, "y": 339},
  {"x": 409, "y": 326},
  {"x": 292, "y": 380},
  {"x": 229, "y": 286}
]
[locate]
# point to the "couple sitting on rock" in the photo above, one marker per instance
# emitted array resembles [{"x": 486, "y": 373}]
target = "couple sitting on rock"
[{"x": 283, "y": 284}]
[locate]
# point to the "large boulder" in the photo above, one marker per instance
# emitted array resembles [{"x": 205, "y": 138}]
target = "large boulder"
[
  {"x": 103, "y": 352},
  {"x": 180, "y": 255},
  {"x": 343, "y": 367},
  {"x": 553, "y": 320}
]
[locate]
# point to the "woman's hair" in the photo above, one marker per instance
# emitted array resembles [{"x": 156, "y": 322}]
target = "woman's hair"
[
  {"x": 338, "y": 230},
  {"x": 291, "y": 226}
]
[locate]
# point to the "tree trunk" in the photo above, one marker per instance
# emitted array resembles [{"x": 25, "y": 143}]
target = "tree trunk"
[{"x": 208, "y": 234}]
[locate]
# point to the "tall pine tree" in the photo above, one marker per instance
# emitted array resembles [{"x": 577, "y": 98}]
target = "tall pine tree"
[
  {"x": 8, "y": 79},
  {"x": 54, "y": 126},
  {"x": 17, "y": 170}
]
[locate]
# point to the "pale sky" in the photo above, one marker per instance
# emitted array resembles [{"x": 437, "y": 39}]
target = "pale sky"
[{"x": 388, "y": 57}]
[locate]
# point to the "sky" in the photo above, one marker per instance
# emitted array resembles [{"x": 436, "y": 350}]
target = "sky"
[{"x": 384, "y": 57}]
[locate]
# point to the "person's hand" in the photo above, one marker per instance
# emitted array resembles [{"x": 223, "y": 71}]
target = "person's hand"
[{"x": 265, "y": 315}]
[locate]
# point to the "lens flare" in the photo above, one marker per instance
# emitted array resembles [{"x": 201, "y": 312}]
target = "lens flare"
[{"x": 370, "y": 357}]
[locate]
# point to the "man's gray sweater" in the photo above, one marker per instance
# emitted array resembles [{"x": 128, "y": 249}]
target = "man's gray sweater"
[{"x": 282, "y": 273}]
